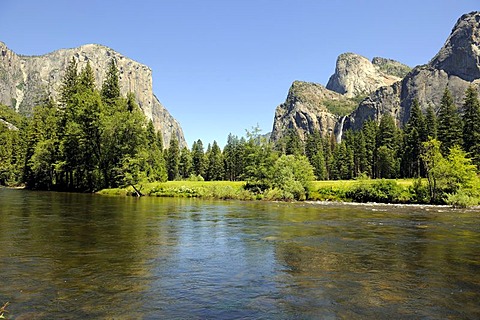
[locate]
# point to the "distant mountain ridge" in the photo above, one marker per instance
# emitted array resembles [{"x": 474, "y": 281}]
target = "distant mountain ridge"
[
  {"x": 27, "y": 80},
  {"x": 386, "y": 85}
]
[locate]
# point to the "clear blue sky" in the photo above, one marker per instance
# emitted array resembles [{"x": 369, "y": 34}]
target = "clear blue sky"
[{"x": 222, "y": 66}]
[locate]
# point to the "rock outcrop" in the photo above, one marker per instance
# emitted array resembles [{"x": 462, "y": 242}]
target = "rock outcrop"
[
  {"x": 355, "y": 75},
  {"x": 456, "y": 66},
  {"x": 391, "y": 67},
  {"x": 307, "y": 109},
  {"x": 460, "y": 56},
  {"x": 26, "y": 80}
]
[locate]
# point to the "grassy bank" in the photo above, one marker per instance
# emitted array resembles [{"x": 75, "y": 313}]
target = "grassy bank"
[
  {"x": 346, "y": 190},
  {"x": 188, "y": 189},
  {"x": 338, "y": 190}
]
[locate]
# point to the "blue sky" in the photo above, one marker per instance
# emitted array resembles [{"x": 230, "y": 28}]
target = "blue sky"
[{"x": 222, "y": 66}]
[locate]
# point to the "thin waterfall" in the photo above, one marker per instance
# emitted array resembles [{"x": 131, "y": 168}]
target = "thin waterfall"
[{"x": 340, "y": 129}]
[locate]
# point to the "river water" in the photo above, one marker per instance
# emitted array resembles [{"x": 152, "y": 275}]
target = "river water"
[{"x": 77, "y": 256}]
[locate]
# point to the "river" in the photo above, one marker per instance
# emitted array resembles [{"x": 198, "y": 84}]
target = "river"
[{"x": 78, "y": 256}]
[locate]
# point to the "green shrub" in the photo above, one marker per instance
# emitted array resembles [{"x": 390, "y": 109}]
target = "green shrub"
[
  {"x": 327, "y": 194},
  {"x": 462, "y": 199},
  {"x": 256, "y": 187},
  {"x": 194, "y": 177},
  {"x": 385, "y": 191},
  {"x": 293, "y": 175},
  {"x": 419, "y": 192}
]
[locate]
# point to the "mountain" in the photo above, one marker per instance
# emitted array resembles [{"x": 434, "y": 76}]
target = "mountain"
[
  {"x": 311, "y": 107},
  {"x": 389, "y": 86},
  {"x": 27, "y": 80},
  {"x": 456, "y": 66},
  {"x": 355, "y": 75}
]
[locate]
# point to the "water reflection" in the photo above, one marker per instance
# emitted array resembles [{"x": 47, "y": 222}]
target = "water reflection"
[
  {"x": 404, "y": 264},
  {"x": 83, "y": 256}
]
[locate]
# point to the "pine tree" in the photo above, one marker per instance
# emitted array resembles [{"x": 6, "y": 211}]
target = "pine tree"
[
  {"x": 315, "y": 155},
  {"x": 185, "y": 164},
  {"x": 124, "y": 140},
  {"x": 198, "y": 158},
  {"x": 342, "y": 168},
  {"x": 319, "y": 166},
  {"x": 360, "y": 153},
  {"x": 387, "y": 165},
  {"x": 471, "y": 124},
  {"x": 86, "y": 79},
  {"x": 215, "y": 169},
  {"x": 9, "y": 155},
  {"x": 155, "y": 163},
  {"x": 89, "y": 139},
  {"x": 173, "y": 159},
  {"x": 233, "y": 155},
  {"x": 313, "y": 144},
  {"x": 449, "y": 130},
  {"x": 387, "y": 132},
  {"x": 42, "y": 148},
  {"x": 111, "y": 88},
  {"x": 151, "y": 135},
  {"x": 415, "y": 135},
  {"x": 69, "y": 83},
  {"x": 348, "y": 138},
  {"x": 431, "y": 123},
  {"x": 293, "y": 144},
  {"x": 369, "y": 131}
]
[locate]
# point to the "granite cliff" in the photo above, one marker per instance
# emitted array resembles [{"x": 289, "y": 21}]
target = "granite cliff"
[
  {"x": 26, "y": 80},
  {"x": 307, "y": 109},
  {"x": 456, "y": 66},
  {"x": 355, "y": 75}
]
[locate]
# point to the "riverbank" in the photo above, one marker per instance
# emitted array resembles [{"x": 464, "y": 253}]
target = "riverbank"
[
  {"x": 385, "y": 191},
  {"x": 334, "y": 190}
]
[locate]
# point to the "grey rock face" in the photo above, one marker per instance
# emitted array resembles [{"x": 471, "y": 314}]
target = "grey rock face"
[
  {"x": 311, "y": 107},
  {"x": 456, "y": 66},
  {"x": 356, "y": 75},
  {"x": 305, "y": 110},
  {"x": 27, "y": 80},
  {"x": 385, "y": 99},
  {"x": 460, "y": 54}
]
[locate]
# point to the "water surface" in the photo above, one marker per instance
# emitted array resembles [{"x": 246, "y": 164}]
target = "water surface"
[{"x": 76, "y": 256}]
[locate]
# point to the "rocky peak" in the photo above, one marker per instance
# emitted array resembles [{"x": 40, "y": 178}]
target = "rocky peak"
[
  {"x": 310, "y": 107},
  {"x": 355, "y": 75},
  {"x": 460, "y": 55},
  {"x": 456, "y": 66},
  {"x": 26, "y": 80}
]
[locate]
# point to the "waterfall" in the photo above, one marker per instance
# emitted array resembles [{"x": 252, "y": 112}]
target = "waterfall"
[{"x": 340, "y": 130}]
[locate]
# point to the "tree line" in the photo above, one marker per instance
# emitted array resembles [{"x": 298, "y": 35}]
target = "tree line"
[
  {"x": 95, "y": 138},
  {"x": 379, "y": 150}
]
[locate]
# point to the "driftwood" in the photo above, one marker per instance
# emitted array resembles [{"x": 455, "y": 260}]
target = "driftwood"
[{"x": 137, "y": 191}]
